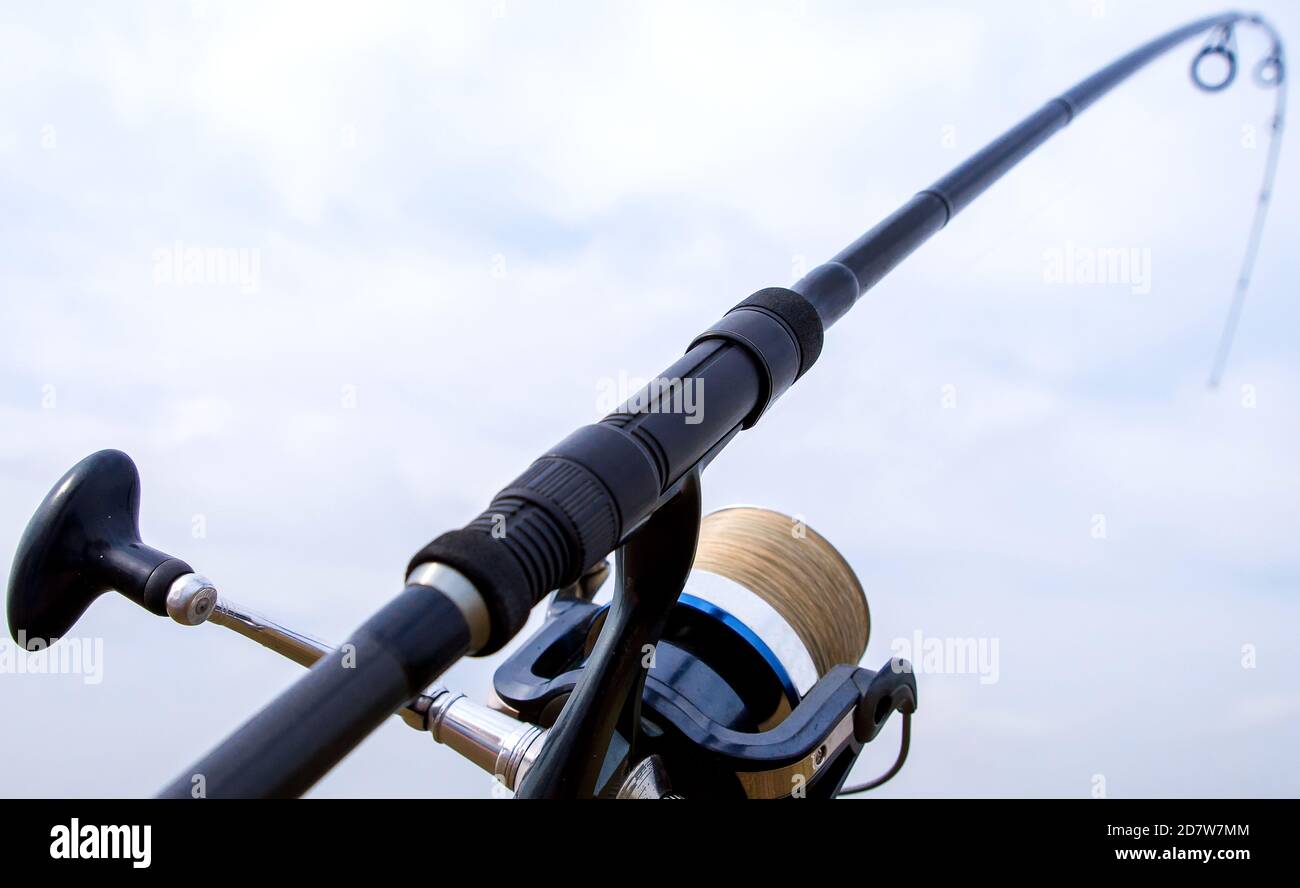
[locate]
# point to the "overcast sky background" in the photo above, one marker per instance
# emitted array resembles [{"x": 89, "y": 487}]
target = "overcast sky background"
[{"x": 469, "y": 214}]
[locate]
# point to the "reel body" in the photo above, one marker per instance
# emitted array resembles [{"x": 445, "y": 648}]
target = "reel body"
[{"x": 722, "y": 712}]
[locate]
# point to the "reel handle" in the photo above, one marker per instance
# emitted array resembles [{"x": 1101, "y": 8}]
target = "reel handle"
[{"x": 84, "y": 540}]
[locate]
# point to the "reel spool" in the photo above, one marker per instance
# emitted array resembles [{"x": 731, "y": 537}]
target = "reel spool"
[{"x": 795, "y": 572}]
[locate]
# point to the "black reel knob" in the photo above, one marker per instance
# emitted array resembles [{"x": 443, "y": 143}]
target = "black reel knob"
[{"x": 83, "y": 541}]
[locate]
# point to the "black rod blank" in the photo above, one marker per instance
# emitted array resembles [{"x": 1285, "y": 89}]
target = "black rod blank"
[{"x": 835, "y": 286}]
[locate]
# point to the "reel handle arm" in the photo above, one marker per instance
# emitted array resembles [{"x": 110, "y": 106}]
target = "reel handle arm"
[
  {"x": 296, "y": 646},
  {"x": 301, "y": 649},
  {"x": 84, "y": 540},
  {"x": 284, "y": 749}
]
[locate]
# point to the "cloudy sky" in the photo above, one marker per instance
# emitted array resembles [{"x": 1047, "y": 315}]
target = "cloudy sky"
[{"x": 460, "y": 220}]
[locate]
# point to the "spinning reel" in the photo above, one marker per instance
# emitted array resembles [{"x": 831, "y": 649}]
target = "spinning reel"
[{"x": 722, "y": 665}]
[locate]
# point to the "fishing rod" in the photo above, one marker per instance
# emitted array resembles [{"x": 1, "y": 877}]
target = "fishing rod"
[{"x": 724, "y": 663}]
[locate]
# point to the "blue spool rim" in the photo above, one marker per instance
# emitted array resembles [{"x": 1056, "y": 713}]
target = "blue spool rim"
[{"x": 708, "y": 608}]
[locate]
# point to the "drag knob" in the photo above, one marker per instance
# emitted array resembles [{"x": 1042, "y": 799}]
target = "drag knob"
[{"x": 83, "y": 541}]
